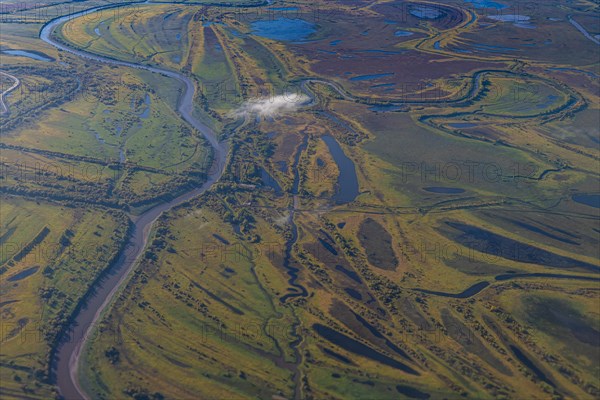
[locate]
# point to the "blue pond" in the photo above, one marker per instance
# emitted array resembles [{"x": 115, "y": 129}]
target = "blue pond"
[
  {"x": 460, "y": 125},
  {"x": 591, "y": 200},
  {"x": 426, "y": 12},
  {"x": 283, "y": 29},
  {"x": 403, "y": 33},
  {"x": 347, "y": 182},
  {"x": 29, "y": 54},
  {"x": 269, "y": 181},
  {"x": 370, "y": 77},
  {"x": 510, "y": 18},
  {"x": 486, "y": 4},
  {"x": 493, "y": 49},
  {"x": 146, "y": 113}
]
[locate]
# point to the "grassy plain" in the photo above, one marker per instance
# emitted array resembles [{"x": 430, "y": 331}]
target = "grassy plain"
[
  {"x": 464, "y": 267},
  {"x": 50, "y": 256}
]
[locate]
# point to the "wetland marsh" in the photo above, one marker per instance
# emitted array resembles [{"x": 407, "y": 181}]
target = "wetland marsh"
[{"x": 306, "y": 200}]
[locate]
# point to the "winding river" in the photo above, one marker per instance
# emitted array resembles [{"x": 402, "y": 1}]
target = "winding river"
[{"x": 66, "y": 356}]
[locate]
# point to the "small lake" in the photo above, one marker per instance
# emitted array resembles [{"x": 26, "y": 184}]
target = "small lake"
[
  {"x": 493, "y": 49},
  {"x": 283, "y": 29},
  {"x": 423, "y": 12},
  {"x": 462, "y": 125},
  {"x": 347, "y": 182},
  {"x": 370, "y": 77},
  {"x": 486, "y": 4},
  {"x": 146, "y": 113},
  {"x": 510, "y": 18},
  {"x": 403, "y": 33},
  {"x": 356, "y": 347},
  {"x": 23, "y": 274},
  {"x": 29, "y": 54},
  {"x": 384, "y": 85},
  {"x": 469, "y": 292},
  {"x": 269, "y": 181},
  {"x": 591, "y": 200},
  {"x": 411, "y": 392}
]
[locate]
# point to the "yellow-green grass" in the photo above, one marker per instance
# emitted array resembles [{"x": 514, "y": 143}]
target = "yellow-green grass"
[
  {"x": 134, "y": 33},
  {"x": 65, "y": 249},
  {"x": 511, "y": 96},
  {"x": 31, "y": 13},
  {"x": 39, "y": 171},
  {"x": 414, "y": 157},
  {"x": 198, "y": 312},
  {"x": 557, "y": 321},
  {"x": 109, "y": 116}
]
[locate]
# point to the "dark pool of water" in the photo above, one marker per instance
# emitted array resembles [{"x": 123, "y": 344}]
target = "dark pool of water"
[
  {"x": 35, "y": 55},
  {"x": 284, "y": 29},
  {"x": 493, "y": 49},
  {"x": 424, "y": 12},
  {"x": 591, "y": 200},
  {"x": 384, "y": 85},
  {"x": 541, "y": 231},
  {"x": 495, "y": 245},
  {"x": 269, "y": 181},
  {"x": 328, "y": 246},
  {"x": 506, "y": 277},
  {"x": 350, "y": 274},
  {"x": 411, "y": 392},
  {"x": 282, "y": 166},
  {"x": 347, "y": 182},
  {"x": 462, "y": 125},
  {"x": 221, "y": 239},
  {"x": 510, "y": 18},
  {"x": 23, "y": 274},
  {"x": 378, "y": 334},
  {"x": 337, "y": 356},
  {"x": 529, "y": 364},
  {"x": 385, "y": 108},
  {"x": 355, "y": 294},
  {"x": 353, "y": 346},
  {"x": 471, "y": 291},
  {"x": 370, "y": 77},
  {"x": 146, "y": 113},
  {"x": 486, "y": 4}
]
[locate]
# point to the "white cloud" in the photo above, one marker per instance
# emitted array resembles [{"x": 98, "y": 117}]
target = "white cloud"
[{"x": 271, "y": 106}]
